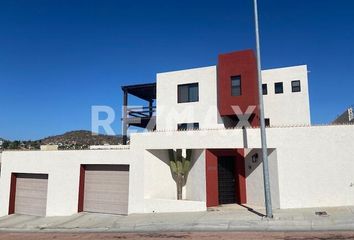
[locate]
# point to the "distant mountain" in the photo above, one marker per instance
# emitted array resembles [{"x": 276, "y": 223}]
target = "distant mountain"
[{"x": 82, "y": 137}]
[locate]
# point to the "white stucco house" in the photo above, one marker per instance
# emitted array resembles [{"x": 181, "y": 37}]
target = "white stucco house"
[{"x": 214, "y": 112}]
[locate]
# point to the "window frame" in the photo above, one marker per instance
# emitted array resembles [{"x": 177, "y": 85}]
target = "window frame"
[
  {"x": 275, "y": 87},
  {"x": 188, "y": 86},
  {"x": 239, "y": 86},
  {"x": 188, "y": 126},
  {"x": 293, "y": 88}
]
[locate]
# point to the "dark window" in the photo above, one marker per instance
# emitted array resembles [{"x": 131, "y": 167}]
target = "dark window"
[
  {"x": 188, "y": 93},
  {"x": 295, "y": 86},
  {"x": 187, "y": 126},
  {"x": 267, "y": 122},
  {"x": 264, "y": 89},
  {"x": 236, "y": 86},
  {"x": 278, "y": 87}
]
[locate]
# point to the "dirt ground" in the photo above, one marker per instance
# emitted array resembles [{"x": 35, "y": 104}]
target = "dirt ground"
[{"x": 187, "y": 236}]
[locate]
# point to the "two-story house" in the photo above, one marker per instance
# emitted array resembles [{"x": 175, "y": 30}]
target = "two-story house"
[{"x": 211, "y": 114}]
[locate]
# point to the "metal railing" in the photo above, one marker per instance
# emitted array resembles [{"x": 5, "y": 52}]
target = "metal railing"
[{"x": 141, "y": 112}]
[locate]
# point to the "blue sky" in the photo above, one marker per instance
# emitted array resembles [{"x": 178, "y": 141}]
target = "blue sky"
[{"x": 59, "y": 57}]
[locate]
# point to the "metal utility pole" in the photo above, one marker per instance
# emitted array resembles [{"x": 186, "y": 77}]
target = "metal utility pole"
[{"x": 268, "y": 200}]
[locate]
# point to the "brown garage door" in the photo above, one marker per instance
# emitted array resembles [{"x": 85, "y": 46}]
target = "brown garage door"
[
  {"x": 106, "y": 189},
  {"x": 31, "y": 194}
]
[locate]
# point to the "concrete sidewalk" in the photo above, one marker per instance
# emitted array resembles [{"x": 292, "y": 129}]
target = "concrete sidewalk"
[{"x": 223, "y": 219}]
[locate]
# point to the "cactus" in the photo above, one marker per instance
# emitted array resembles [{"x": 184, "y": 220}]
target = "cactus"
[{"x": 179, "y": 166}]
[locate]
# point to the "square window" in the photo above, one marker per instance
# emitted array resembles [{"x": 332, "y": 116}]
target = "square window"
[
  {"x": 296, "y": 86},
  {"x": 278, "y": 87},
  {"x": 188, "y": 93},
  {"x": 264, "y": 89},
  {"x": 236, "y": 86}
]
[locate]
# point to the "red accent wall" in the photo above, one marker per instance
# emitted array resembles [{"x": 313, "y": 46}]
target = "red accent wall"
[
  {"x": 212, "y": 179},
  {"x": 12, "y": 193},
  {"x": 244, "y": 64},
  {"x": 80, "y": 207},
  {"x": 212, "y": 175},
  {"x": 240, "y": 176}
]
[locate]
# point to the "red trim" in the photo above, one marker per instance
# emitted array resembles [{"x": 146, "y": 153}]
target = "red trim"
[
  {"x": 212, "y": 188},
  {"x": 240, "y": 177},
  {"x": 212, "y": 175},
  {"x": 12, "y": 193},
  {"x": 244, "y": 64},
  {"x": 80, "y": 206}
]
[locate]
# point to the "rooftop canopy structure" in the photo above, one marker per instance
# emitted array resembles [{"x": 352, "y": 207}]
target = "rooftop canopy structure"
[{"x": 139, "y": 116}]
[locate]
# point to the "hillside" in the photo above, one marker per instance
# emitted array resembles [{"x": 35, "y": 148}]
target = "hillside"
[{"x": 81, "y": 139}]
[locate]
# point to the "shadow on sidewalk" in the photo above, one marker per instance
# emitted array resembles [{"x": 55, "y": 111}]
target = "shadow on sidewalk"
[{"x": 252, "y": 210}]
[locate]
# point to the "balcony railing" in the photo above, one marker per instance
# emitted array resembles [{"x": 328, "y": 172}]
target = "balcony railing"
[
  {"x": 143, "y": 117},
  {"x": 141, "y": 112}
]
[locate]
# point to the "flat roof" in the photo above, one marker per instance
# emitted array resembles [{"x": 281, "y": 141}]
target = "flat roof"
[{"x": 146, "y": 91}]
